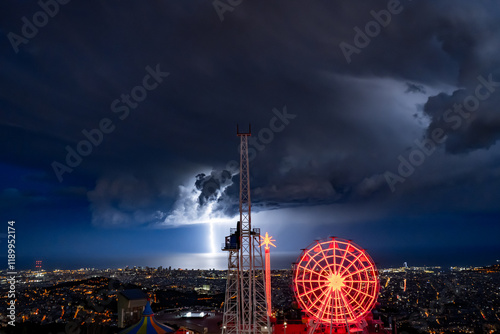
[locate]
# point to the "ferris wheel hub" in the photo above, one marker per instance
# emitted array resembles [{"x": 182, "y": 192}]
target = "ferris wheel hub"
[{"x": 335, "y": 282}]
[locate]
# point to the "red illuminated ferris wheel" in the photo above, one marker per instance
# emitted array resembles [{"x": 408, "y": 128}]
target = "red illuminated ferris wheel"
[{"x": 336, "y": 283}]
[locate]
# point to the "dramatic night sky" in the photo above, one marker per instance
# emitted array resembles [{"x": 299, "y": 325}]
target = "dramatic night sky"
[{"x": 339, "y": 105}]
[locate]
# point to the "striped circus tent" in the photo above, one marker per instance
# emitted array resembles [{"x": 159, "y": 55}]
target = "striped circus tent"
[{"x": 148, "y": 324}]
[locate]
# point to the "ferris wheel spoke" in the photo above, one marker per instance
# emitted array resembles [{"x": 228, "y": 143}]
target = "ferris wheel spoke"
[
  {"x": 359, "y": 281},
  {"x": 357, "y": 271},
  {"x": 354, "y": 284},
  {"x": 313, "y": 272},
  {"x": 345, "y": 304},
  {"x": 357, "y": 293},
  {"x": 320, "y": 279},
  {"x": 318, "y": 300},
  {"x": 356, "y": 259},
  {"x": 309, "y": 269},
  {"x": 361, "y": 292},
  {"x": 326, "y": 256},
  {"x": 337, "y": 304},
  {"x": 341, "y": 265},
  {"x": 315, "y": 289},
  {"x": 359, "y": 305},
  {"x": 311, "y": 281},
  {"x": 312, "y": 289},
  {"x": 344, "y": 258},
  {"x": 334, "y": 257},
  {"x": 355, "y": 300},
  {"x": 321, "y": 249},
  {"x": 318, "y": 265},
  {"x": 324, "y": 301}
]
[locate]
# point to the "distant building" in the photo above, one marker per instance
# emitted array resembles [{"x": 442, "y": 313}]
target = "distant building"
[
  {"x": 203, "y": 289},
  {"x": 131, "y": 304}
]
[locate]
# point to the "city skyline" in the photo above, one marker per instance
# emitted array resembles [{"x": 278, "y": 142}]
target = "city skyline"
[
  {"x": 428, "y": 299},
  {"x": 375, "y": 121}
]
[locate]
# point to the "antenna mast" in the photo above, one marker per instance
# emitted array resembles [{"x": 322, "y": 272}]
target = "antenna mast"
[{"x": 245, "y": 308}]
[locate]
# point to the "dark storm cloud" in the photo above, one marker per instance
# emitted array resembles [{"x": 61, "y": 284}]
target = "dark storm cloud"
[
  {"x": 470, "y": 114},
  {"x": 210, "y": 186},
  {"x": 470, "y": 123},
  {"x": 414, "y": 88},
  {"x": 352, "y": 120},
  {"x": 123, "y": 201}
]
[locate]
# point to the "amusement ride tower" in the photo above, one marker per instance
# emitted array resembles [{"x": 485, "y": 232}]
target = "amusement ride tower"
[
  {"x": 266, "y": 241},
  {"x": 245, "y": 307}
]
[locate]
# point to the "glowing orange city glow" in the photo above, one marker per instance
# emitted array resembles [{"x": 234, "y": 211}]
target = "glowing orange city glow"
[
  {"x": 335, "y": 281},
  {"x": 77, "y": 310}
]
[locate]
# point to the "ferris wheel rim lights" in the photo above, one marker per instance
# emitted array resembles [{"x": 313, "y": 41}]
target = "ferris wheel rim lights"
[{"x": 335, "y": 281}]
